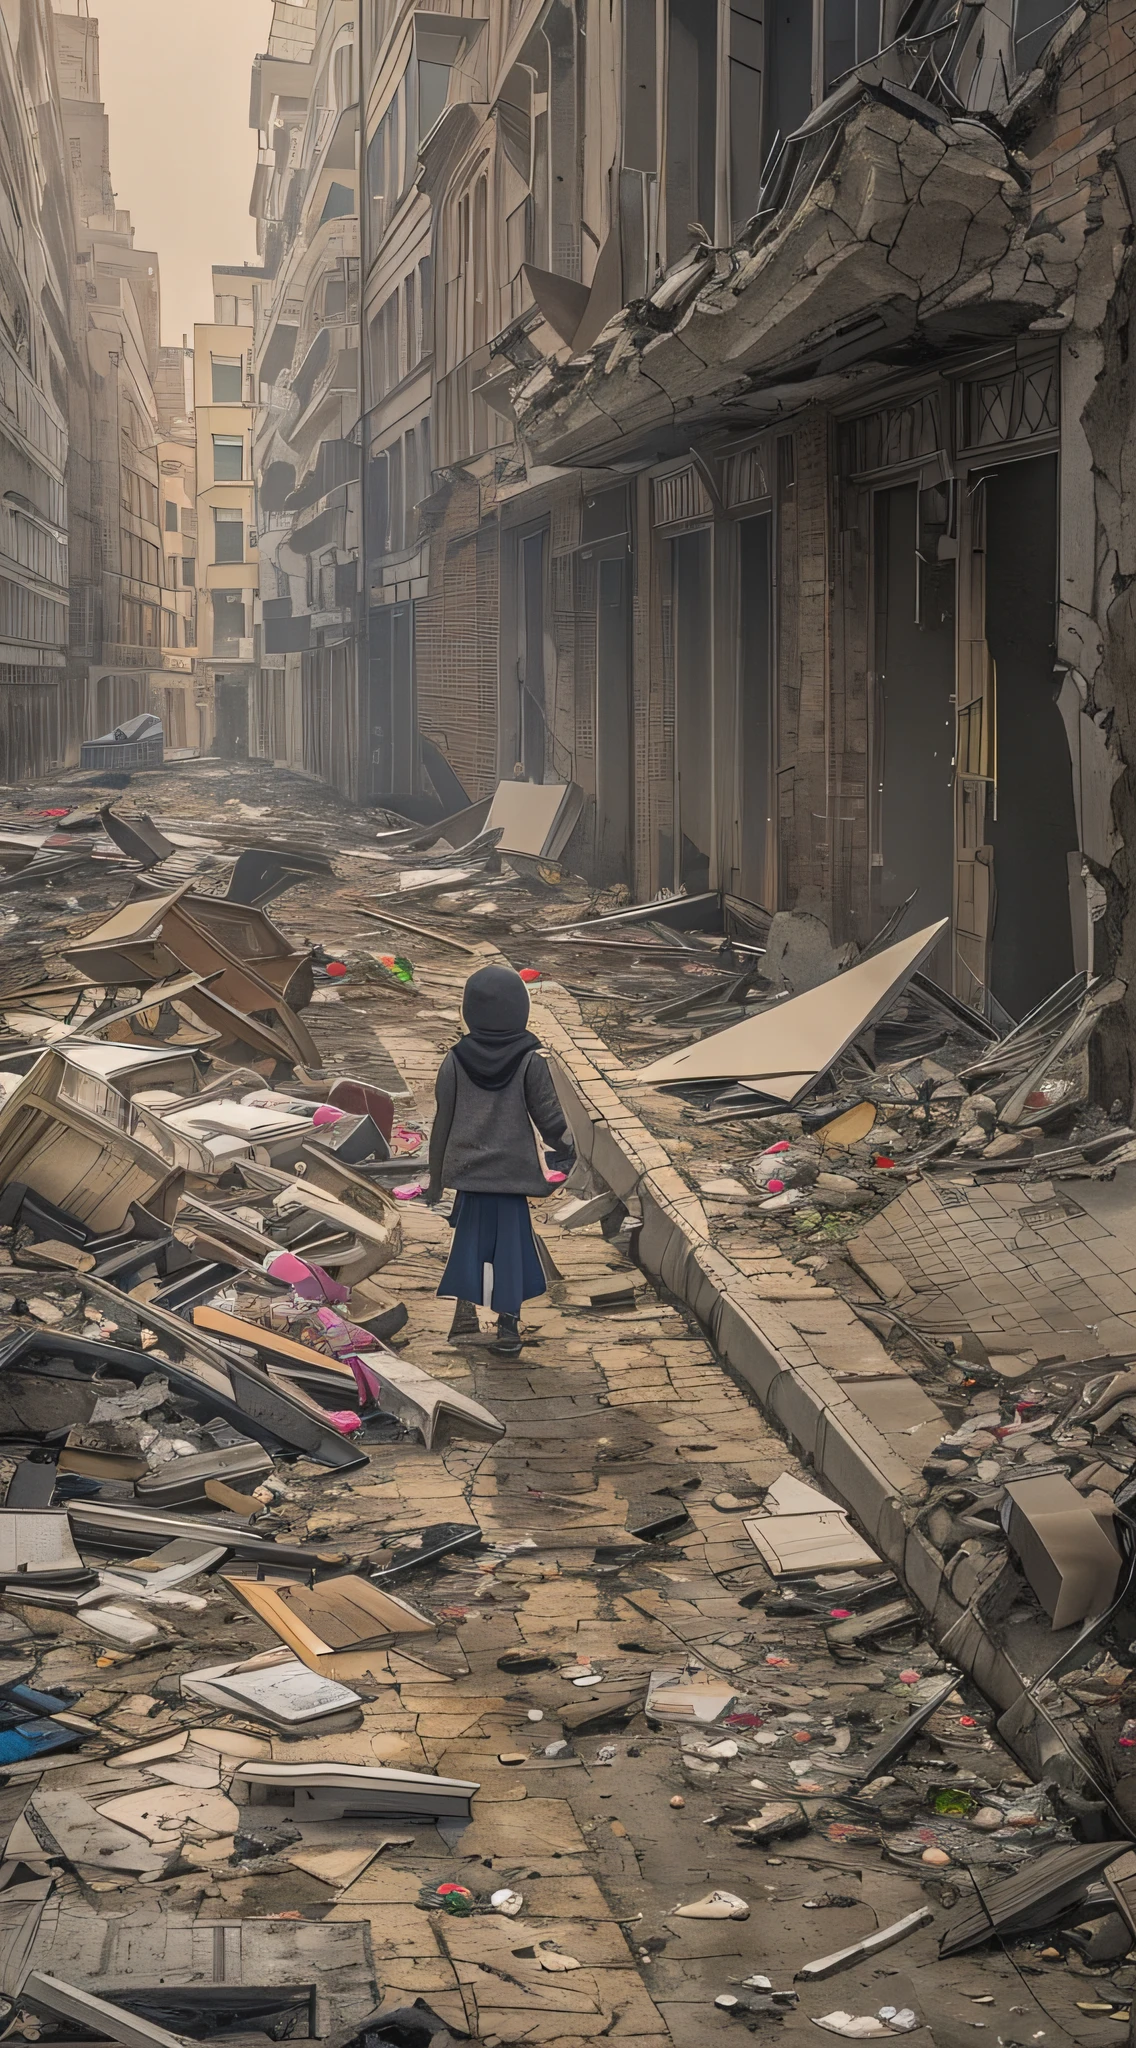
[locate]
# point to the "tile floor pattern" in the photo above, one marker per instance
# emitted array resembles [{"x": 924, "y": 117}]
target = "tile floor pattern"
[{"x": 1026, "y": 1266}]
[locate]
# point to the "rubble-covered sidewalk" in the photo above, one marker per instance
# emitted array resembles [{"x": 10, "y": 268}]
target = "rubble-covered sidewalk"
[{"x": 358, "y": 1686}]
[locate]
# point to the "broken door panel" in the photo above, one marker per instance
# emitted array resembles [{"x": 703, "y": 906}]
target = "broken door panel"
[
  {"x": 914, "y": 726},
  {"x": 530, "y": 653},
  {"x": 613, "y": 712},
  {"x": 974, "y": 765},
  {"x": 691, "y": 568},
  {"x": 755, "y": 708},
  {"x": 1033, "y": 828}
]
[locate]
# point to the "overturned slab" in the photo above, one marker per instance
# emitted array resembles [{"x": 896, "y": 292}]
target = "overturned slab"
[
  {"x": 536, "y": 818},
  {"x": 334, "y": 1628},
  {"x": 1069, "y": 1554},
  {"x": 54, "y": 1997},
  {"x": 782, "y": 1052},
  {"x": 438, "y": 1411},
  {"x": 885, "y": 221}
]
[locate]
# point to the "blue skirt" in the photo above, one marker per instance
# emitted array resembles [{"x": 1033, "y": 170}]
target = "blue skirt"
[{"x": 493, "y": 1260}]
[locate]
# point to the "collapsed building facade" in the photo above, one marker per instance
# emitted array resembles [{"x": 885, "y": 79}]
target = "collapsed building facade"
[
  {"x": 128, "y": 628},
  {"x": 745, "y": 412},
  {"x": 37, "y": 369},
  {"x": 92, "y": 627},
  {"x": 874, "y": 432},
  {"x": 306, "y": 700}
]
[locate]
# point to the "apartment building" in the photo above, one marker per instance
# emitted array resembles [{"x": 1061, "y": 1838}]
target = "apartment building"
[
  {"x": 226, "y": 564},
  {"x": 125, "y": 626},
  {"x": 176, "y": 696},
  {"x": 39, "y": 702},
  {"x": 309, "y": 705},
  {"x": 744, "y": 408},
  {"x": 869, "y": 412}
]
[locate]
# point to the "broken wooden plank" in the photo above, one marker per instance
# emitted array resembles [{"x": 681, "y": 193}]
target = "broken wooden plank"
[
  {"x": 51, "y": 1995},
  {"x": 859, "y": 1951}
]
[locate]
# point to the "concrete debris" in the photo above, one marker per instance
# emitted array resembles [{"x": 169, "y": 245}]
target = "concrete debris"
[{"x": 310, "y": 1611}]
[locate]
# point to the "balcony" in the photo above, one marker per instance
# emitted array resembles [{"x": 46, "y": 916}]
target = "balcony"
[
  {"x": 890, "y": 226},
  {"x": 337, "y": 378}
]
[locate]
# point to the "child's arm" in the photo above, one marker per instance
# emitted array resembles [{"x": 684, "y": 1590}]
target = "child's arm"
[
  {"x": 445, "y": 1095},
  {"x": 543, "y": 1105}
]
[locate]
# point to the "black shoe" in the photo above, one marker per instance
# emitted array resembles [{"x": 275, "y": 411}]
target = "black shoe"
[
  {"x": 508, "y": 1341},
  {"x": 465, "y": 1323}
]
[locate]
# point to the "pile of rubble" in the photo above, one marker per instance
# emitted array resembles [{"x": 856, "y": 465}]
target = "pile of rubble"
[{"x": 206, "y": 1387}]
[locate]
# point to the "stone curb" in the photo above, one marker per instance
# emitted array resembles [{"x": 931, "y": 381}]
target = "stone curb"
[{"x": 850, "y": 1456}]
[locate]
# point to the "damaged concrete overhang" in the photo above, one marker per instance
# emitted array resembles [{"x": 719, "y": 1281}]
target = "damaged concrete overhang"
[{"x": 903, "y": 230}]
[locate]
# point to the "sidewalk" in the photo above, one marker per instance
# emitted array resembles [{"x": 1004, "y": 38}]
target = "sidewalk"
[{"x": 861, "y": 1423}]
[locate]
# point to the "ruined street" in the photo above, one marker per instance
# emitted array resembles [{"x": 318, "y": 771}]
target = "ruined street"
[{"x": 704, "y": 1700}]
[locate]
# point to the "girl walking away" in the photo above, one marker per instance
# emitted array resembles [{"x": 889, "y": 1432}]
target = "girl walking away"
[{"x": 491, "y": 1090}]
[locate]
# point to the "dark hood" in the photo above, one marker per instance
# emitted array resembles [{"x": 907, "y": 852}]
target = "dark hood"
[{"x": 496, "y": 1011}]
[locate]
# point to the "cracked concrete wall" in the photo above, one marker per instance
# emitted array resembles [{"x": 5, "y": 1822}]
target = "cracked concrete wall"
[
  {"x": 1084, "y": 176},
  {"x": 803, "y": 669}
]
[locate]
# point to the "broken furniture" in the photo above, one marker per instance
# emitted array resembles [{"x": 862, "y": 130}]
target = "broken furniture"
[
  {"x": 135, "y": 744},
  {"x": 202, "y": 1372},
  {"x": 303, "y": 1218},
  {"x": 440, "y": 1413},
  {"x": 354, "y": 1791},
  {"x": 82, "y": 1165},
  {"x": 152, "y": 936},
  {"x": 332, "y": 1626},
  {"x": 1069, "y": 1553}
]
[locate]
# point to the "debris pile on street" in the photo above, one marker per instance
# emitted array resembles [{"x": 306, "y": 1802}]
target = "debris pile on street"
[{"x": 359, "y": 1684}]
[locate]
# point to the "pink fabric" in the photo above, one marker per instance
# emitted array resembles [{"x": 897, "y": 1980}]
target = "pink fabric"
[
  {"x": 368, "y": 1383},
  {"x": 343, "y": 1421},
  {"x": 310, "y": 1282}
]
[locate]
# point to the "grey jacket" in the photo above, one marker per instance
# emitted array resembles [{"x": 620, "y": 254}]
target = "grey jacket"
[{"x": 482, "y": 1139}]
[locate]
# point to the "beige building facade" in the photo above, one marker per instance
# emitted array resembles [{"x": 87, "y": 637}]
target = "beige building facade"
[
  {"x": 226, "y": 563},
  {"x": 311, "y": 659},
  {"x": 128, "y": 641}
]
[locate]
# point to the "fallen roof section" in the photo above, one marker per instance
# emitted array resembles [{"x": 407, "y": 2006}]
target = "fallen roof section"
[{"x": 784, "y": 1050}]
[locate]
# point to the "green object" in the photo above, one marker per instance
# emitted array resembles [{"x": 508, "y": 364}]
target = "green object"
[
  {"x": 953, "y": 1803},
  {"x": 805, "y": 1220}
]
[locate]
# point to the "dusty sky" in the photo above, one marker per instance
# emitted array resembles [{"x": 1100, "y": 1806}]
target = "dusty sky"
[{"x": 175, "y": 80}]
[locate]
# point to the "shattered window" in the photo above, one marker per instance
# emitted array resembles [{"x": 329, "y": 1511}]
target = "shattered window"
[
  {"x": 1035, "y": 22},
  {"x": 851, "y": 36},
  {"x": 788, "y": 76},
  {"x": 433, "y": 88}
]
